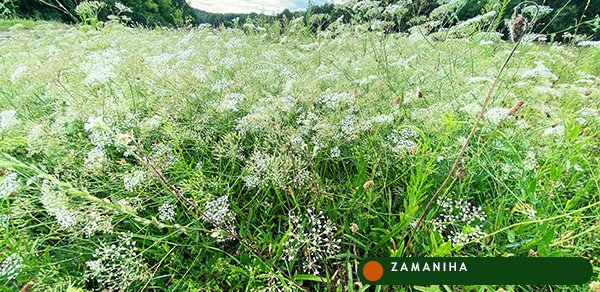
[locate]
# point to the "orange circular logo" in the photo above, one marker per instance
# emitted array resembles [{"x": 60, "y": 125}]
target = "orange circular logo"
[{"x": 373, "y": 271}]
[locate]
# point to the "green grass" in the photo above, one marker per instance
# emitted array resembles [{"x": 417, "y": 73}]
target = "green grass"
[
  {"x": 7, "y": 24},
  {"x": 272, "y": 126}
]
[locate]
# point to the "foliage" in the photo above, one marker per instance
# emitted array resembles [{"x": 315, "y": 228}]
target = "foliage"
[{"x": 143, "y": 12}]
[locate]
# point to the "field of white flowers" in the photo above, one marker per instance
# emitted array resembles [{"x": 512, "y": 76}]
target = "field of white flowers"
[{"x": 250, "y": 160}]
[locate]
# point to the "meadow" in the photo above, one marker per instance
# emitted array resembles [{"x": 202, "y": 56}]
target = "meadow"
[{"x": 199, "y": 159}]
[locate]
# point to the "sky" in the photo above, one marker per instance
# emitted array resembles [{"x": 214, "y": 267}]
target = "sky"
[{"x": 259, "y": 6}]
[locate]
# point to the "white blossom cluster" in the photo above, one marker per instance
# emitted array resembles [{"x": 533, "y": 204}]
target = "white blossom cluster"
[
  {"x": 160, "y": 64},
  {"x": 539, "y": 72},
  {"x": 335, "y": 152},
  {"x": 4, "y": 220},
  {"x": 554, "y": 131},
  {"x": 530, "y": 162},
  {"x": 116, "y": 266},
  {"x": 8, "y": 118},
  {"x": 230, "y": 102},
  {"x": 11, "y": 267},
  {"x": 20, "y": 71},
  {"x": 525, "y": 209},
  {"x": 403, "y": 140},
  {"x": 9, "y": 184},
  {"x": 221, "y": 84},
  {"x": 122, "y": 8},
  {"x": 133, "y": 179},
  {"x": 587, "y": 115},
  {"x": 100, "y": 66},
  {"x": 95, "y": 222},
  {"x": 88, "y": 219},
  {"x": 96, "y": 158},
  {"x": 380, "y": 119},
  {"x": 264, "y": 113},
  {"x": 466, "y": 235},
  {"x": 496, "y": 115},
  {"x": 162, "y": 155},
  {"x": 348, "y": 129},
  {"x": 218, "y": 211},
  {"x": 334, "y": 100},
  {"x": 56, "y": 203},
  {"x": 166, "y": 211},
  {"x": 262, "y": 169},
  {"x": 35, "y": 139},
  {"x": 459, "y": 220},
  {"x": 307, "y": 120},
  {"x": 311, "y": 240}
]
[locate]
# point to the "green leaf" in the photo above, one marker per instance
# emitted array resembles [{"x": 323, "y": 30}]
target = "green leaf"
[
  {"x": 394, "y": 231},
  {"x": 511, "y": 236},
  {"x": 303, "y": 277},
  {"x": 443, "y": 250}
]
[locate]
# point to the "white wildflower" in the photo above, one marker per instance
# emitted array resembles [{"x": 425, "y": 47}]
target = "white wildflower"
[
  {"x": 9, "y": 184},
  {"x": 557, "y": 130},
  {"x": 18, "y": 73},
  {"x": 100, "y": 66},
  {"x": 230, "y": 102},
  {"x": 347, "y": 127},
  {"x": 152, "y": 123},
  {"x": 540, "y": 72},
  {"x": 131, "y": 180},
  {"x": 460, "y": 221},
  {"x": 35, "y": 139},
  {"x": 200, "y": 73},
  {"x": 166, "y": 211},
  {"x": 307, "y": 120},
  {"x": 311, "y": 239},
  {"x": 262, "y": 169},
  {"x": 496, "y": 115},
  {"x": 403, "y": 140},
  {"x": 94, "y": 123},
  {"x": 334, "y": 100},
  {"x": 4, "y": 220},
  {"x": 11, "y": 267},
  {"x": 96, "y": 222},
  {"x": 116, "y": 266},
  {"x": 8, "y": 118},
  {"x": 162, "y": 156},
  {"x": 122, "y": 8},
  {"x": 56, "y": 203},
  {"x": 96, "y": 159},
  {"x": 523, "y": 124},
  {"x": 530, "y": 162},
  {"x": 335, "y": 152},
  {"x": 218, "y": 213},
  {"x": 440, "y": 158}
]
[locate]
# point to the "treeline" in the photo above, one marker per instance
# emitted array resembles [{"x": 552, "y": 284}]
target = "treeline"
[
  {"x": 135, "y": 12},
  {"x": 556, "y": 17}
]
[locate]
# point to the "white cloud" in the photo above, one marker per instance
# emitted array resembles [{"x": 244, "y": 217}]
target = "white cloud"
[
  {"x": 259, "y": 6},
  {"x": 247, "y": 6}
]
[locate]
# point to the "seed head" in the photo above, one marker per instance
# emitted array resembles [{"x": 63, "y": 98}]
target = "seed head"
[
  {"x": 460, "y": 173},
  {"x": 516, "y": 107},
  {"x": 518, "y": 26}
]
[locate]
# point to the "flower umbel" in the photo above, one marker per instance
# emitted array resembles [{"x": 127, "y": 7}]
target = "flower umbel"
[
  {"x": 11, "y": 267},
  {"x": 311, "y": 239},
  {"x": 459, "y": 220}
]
